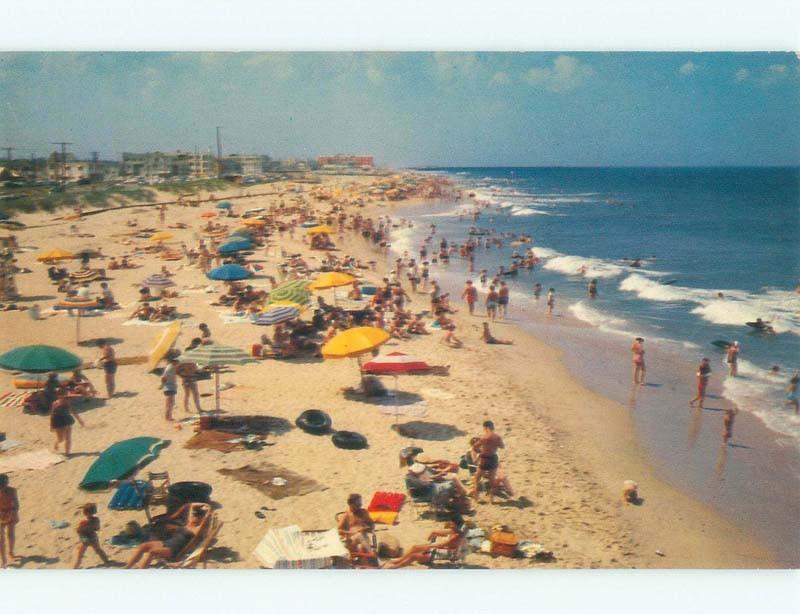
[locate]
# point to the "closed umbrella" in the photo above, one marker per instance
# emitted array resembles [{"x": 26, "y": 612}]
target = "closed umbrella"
[
  {"x": 235, "y": 245},
  {"x": 229, "y": 272},
  {"x": 216, "y": 356},
  {"x": 276, "y": 315},
  {"x": 355, "y": 342},
  {"x": 39, "y": 359},
  {"x": 80, "y": 305},
  {"x": 321, "y": 230},
  {"x": 55, "y": 254}
]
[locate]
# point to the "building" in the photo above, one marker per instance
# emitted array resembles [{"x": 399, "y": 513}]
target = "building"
[
  {"x": 244, "y": 165},
  {"x": 157, "y": 164},
  {"x": 340, "y": 161}
]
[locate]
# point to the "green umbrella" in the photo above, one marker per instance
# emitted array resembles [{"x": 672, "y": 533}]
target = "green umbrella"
[
  {"x": 121, "y": 460},
  {"x": 294, "y": 290},
  {"x": 216, "y": 356},
  {"x": 39, "y": 359}
]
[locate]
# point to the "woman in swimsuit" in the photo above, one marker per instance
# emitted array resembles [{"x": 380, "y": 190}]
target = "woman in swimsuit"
[
  {"x": 109, "y": 363},
  {"x": 61, "y": 420},
  {"x": 432, "y": 551},
  {"x": 638, "y": 361},
  {"x": 791, "y": 393},
  {"x": 198, "y": 517},
  {"x": 703, "y": 374},
  {"x": 9, "y": 517}
]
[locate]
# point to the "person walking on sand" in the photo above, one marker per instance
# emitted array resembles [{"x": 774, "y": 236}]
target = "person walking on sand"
[
  {"x": 470, "y": 295},
  {"x": 502, "y": 300},
  {"x": 791, "y": 393},
  {"x": 551, "y": 300},
  {"x": 727, "y": 425},
  {"x": 169, "y": 384},
  {"x": 9, "y": 517},
  {"x": 703, "y": 374},
  {"x": 109, "y": 363},
  {"x": 62, "y": 417},
  {"x": 87, "y": 535},
  {"x": 732, "y": 358},
  {"x": 488, "y": 461},
  {"x": 638, "y": 361}
]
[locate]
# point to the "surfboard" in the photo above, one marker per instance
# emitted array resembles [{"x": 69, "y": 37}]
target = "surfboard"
[
  {"x": 721, "y": 343},
  {"x": 163, "y": 343}
]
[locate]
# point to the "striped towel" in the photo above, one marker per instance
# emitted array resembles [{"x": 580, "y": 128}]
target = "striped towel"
[{"x": 13, "y": 399}]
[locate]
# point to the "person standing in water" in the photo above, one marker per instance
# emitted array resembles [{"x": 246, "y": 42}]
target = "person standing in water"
[
  {"x": 537, "y": 290},
  {"x": 502, "y": 300},
  {"x": 703, "y": 374},
  {"x": 551, "y": 300},
  {"x": 592, "y": 288},
  {"x": 791, "y": 393},
  {"x": 638, "y": 361},
  {"x": 732, "y": 357}
]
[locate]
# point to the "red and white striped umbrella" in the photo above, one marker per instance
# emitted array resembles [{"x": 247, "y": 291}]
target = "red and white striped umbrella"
[{"x": 395, "y": 364}]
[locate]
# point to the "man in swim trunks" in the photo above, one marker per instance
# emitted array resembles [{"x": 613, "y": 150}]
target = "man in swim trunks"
[
  {"x": 470, "y": 295},
  {"x": 109, "y": 363},
  {"x": 356, "y": 526},
  {"x": 703, "y": 374},
  {"x": 502, "y": 300},
  {"x": 732, "y": 358},
  {"x": 488, "y": 461}
]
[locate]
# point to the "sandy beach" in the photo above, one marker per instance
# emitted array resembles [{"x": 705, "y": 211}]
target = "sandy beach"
[{"x": 568, "y": 449}]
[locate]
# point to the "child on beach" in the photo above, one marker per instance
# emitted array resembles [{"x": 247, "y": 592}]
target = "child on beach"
[
  {"x": 703, "y": 374},
  {"x": 87, "y": 535},
  {"x": 9, "y": 517}
]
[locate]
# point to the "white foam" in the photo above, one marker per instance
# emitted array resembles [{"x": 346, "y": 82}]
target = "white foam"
[
  {"x": 595, "y": 267},
  {"x": 595, "y": 317},
  {"x": 654, "y": 291}
]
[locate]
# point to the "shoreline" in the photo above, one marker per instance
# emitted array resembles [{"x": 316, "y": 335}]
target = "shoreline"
[{"x": 554, "y": 456}]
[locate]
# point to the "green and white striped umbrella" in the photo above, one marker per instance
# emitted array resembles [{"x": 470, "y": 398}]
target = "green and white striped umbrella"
[
  {"x": 216, "y": 356},
  {"x": 294, "y": 290}
]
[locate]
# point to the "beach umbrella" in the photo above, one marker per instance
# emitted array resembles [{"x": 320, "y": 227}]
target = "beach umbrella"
[
  {"x": 216, "y": 356},
  {"x": 333, "y": 280},
  {"x": 55, "y": 254},
  {"x": 121, "y": 460},
  {"x": 80, "y": 305},
  {"x": 254, "y": 222},
  {"x": 39, "y": 359},
  {"x": 242, "y": 232},
  {"x": 229, "y": 272},
  {"x": 235, "y": 245},
  {"x": 294, "y": 294},
  {"x": 161, "y": 236},
  {"x": 224, "y": 205},
  {"x": 208, "y": 214},
  {"x": 320, "y": 230},
  {"x": 355, "y": 342},
  {"x": 157, "y": 280},
  {"x": 276, "y": 315},
  {"x": 85, "y": 275}
]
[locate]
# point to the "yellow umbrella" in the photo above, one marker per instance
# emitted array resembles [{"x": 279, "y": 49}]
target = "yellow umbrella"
[
  {"x": 331, "y": 280},
  {"x": 321, "y": 230},
  {"x": 55, "y": 254},
  {"x": 354, "y": 342},
  {"x": 254, "y": 222},
  {"x": 162, "y": 236}
]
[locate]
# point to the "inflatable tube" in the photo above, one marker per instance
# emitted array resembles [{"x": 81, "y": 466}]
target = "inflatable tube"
[
  {"x": 314, "y": 421},
  {"x": 349, "y": 440},
  {"x": 184, "y": 492}
]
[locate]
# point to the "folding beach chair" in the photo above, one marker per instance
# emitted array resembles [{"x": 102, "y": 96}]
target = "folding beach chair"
[
  {"x": 157, "y": 490},
  {"x": 196, "y": 551}
]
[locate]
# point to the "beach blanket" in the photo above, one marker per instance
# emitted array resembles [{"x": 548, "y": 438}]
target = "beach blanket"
[
  {"x": 26, "y": 461},
  {"x": 245, "y": 425},
  {"x": 137, "y": 322},
  {"x": 385, "y": 506},
  {"x": 291, "y": 548},
  {"x": 216, "y": 440},
  {"x": 429, "y": 431},
  {"x": 228, "y": 318},
  {"x": 13, "y": 399},
  {"x": 262, "y": 478},
  {"x": 129, "y": 496}
]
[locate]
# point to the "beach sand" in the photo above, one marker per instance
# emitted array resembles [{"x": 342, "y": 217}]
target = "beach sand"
[{"x": 568, "y": 450}]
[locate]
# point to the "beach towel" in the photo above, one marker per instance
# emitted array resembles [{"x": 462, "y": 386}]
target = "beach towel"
[
  {"x": 137, "y": 322},
  {"x": 129, "y": 496},
  {"x": 261, "y": 478},
  {"x": 228, "y": 318},
  {"x": 385, "y": 506},
  {"x": 216, "y": 440},
  {"x": 27, "y": 461},
  {"x": 13, "y": 399}
]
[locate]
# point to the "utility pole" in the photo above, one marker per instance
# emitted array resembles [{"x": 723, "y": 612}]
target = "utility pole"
[
  {"x": 33, "y": 166},
  {"x": 219, "y": 151},
  {"x": 8, "y": 151},
  {"x": 93, "y": 168},
  {"x": 63, "y": 160}
]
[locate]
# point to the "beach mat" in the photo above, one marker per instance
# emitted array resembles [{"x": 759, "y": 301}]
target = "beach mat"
[
  {"x": 260, "y": 477},
  {"x": 244, "y": 425},
  {"x": 13, "y": 399},
  {"x": 215, "y": 440},
  {"x": 28, "y": 461},
  {"x": 385, "y": 506}
]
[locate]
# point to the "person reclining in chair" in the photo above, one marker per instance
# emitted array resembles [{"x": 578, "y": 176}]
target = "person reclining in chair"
[
  {"x": 445, "y": 488},
  {"x": 356, "y": 526},
  {"x": 197, "y": 518},
  {"x": 443, "y": 550}
]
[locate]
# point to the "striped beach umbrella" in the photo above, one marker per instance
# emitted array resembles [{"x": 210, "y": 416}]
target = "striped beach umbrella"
[
  {"x": 276, "y": 315},
  {"x": 85, "y": 275},
  {"x": 39, "y": 359},
  {"x": 295, "y": 292},
  {"x": 80, "y": 305},
  {"x": 235, "y": 245},
  {"x": 229, "y": 272},
  {"x": 216, "y": 356},
  {"x": 157, "y": 280}
]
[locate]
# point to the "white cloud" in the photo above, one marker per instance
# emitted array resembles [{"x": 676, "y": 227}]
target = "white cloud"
[
  {"x": 742, "y": 75},
  {"x": 501, "y": 78},
  {"x": 688, "y": 68},
  {"x": 564, "y": 75}
]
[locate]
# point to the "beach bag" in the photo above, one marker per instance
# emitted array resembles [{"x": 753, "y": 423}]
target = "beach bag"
[{"x": 504, "y": 543}]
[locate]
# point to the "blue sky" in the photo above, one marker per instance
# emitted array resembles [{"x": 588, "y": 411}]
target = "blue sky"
[{"x": 451, "y": 109}]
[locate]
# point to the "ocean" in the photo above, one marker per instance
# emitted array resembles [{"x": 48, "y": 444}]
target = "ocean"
[{"x": 697, "y": 232}]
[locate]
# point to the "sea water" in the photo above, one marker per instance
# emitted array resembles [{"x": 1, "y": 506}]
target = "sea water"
[{"x": 697, "y": 232}]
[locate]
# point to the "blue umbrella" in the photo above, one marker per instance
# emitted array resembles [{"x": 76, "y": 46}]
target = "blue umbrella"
[
  {"x": 276, "y": 315},
  {"x": 225, "y": 204},
  {"x": 229, "y": 272},
  {"x": 235, "y": 245},
  {"x": 3, "y": 215}
]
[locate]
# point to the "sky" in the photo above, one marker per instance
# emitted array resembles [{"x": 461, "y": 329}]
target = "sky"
[{"x": 413, "y": 109}]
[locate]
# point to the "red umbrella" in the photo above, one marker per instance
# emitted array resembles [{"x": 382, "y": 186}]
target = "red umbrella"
[{"x": 395, "y": 364}]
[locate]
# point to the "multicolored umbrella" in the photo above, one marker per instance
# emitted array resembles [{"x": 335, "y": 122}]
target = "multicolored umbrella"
[
  {"x": 276, "y": 315},
  {"x": 85, "y": 275},
  {"x": 235, "y": 245},
  {"x": 39, "y": 359},
  {"x": 295, "y": 294},
  {"x": 216, "y": 356},
  {"x": 55, "y": 254},
  {"x": 157, "y": 280},
  {"x": 229, "y": 272}
]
